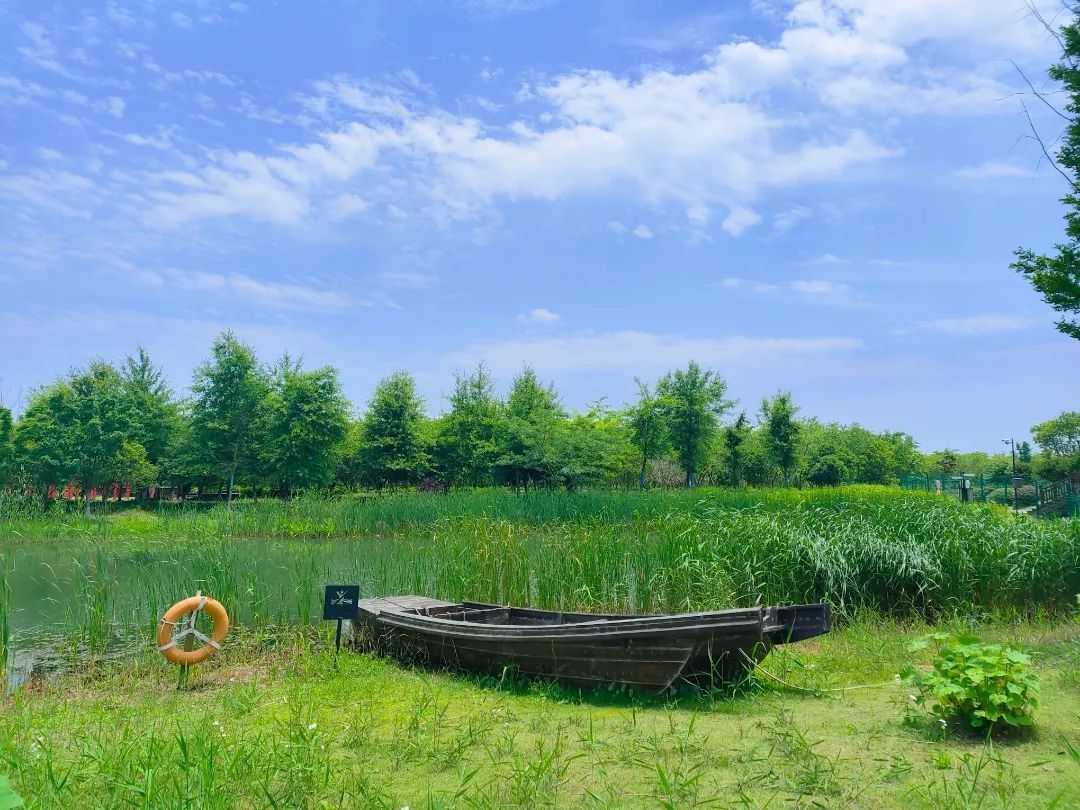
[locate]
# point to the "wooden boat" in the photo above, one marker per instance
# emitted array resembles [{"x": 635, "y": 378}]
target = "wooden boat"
[{"x": 650, "y": 653}]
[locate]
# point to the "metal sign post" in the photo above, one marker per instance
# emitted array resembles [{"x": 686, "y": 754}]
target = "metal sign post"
[{"x": 339, "y": 602}]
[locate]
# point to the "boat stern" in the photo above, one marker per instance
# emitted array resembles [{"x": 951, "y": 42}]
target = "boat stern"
[{"x": 788, "y": 623}]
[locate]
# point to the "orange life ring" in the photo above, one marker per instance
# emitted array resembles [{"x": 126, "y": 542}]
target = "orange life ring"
[{"x": 168, "y": 637}]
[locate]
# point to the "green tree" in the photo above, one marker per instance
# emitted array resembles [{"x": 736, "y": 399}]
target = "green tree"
[
  {"x": 133, "y": 465},
  {"x": 1057, "y": 277},
  {"x": 906, "y": 458},
  {"x": 75, "y": 429},
  {"x": 592, "y": 448},
  {"x": 393, "y": 445},
  {"x": 1060, "y": 435},
  {"x": 945, "y": 461},
  {"x": 7, "y": 448},
  {"x": 646, "y": 423},
  {"x": 7, "y": 455},
  {"x": 1023, "y": 453},
  {"x": 735, "y": 439},
  {"x": 465, "y": 447},
  {"x": 229, "y": 394},
  {"x": 829, "y": 469},
  {"x": 154, "y": 412},
  {"x": 350, "y": 470},
  {"x": 527, "y": 431},
  {"x": 1059, "y": 439},
  {"x": 306, "y": 420},
  {"x": 781, "y": 432},
  {"x": 694, "y": 402}
]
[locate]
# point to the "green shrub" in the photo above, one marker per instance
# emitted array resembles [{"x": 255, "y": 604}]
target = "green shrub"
[{"x": 988, "y": 686}]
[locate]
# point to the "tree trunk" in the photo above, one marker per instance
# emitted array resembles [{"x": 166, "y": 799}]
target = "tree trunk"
[
  {"x": 86, "y": 499},
  {"x": 232, "y": 478},
  {"x": 644, "y": 462}
]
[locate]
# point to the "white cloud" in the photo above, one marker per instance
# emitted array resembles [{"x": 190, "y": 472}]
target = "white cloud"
[
  {"x": 55, "y": 190},
  {"x": 539, "y": 317},
  {"x": 739, "y": 220},
  {"x": 973, "y": 325},
  {"x": 407, "y": 279},
  {"x": 893, "y": 263},
  {"x": 346, "y": 205},
  {"x": 643, "y": 232},
  {"x": 21, "y": 91},
  {"x": 114, "y": 106},
  {"x": 695, "y": 32},
  {"x": 160, "y": 140},
  {"x": 706, "y": 142},
  {"x": 641, "y": 352},
  {"x": 685, "y": 139},
  {"x": 180, "y": 19},
  {"x": 41, "y": 49},
  {"x": 999, "y": 23},
  {"x": 498, "y": 8},
  {"x": 826, "y": 259},
  {"x": 788, "y": 219},
  {"x": 815, "y": 291},
  {"x": 271, "y": 294},
  {"x": 45, "y": 153},
  {"x": 994, "y": 169}
]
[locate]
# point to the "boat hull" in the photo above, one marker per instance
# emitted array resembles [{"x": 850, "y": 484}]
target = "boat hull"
[{"x": 645, "y": 653}]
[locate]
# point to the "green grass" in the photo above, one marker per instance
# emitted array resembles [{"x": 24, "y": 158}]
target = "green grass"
[{"x": 280, "y": 726}]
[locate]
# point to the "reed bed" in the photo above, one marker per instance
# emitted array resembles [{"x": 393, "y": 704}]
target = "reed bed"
[
  {"x": 901, "y": 553},
  {"x": 406, "y": 513}
]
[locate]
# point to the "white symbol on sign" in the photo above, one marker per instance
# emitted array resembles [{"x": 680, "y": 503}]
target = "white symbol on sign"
[{"x": 340, "y": 599}]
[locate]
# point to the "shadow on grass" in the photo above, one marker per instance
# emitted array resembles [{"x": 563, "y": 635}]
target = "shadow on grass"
[{"x": 689, "y": 697}]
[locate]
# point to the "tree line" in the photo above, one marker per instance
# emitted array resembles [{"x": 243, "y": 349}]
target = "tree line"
[{"x": 276, "y": 429}]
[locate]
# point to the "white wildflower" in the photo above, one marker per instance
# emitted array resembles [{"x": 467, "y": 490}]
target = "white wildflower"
[{"x": 311, "y": 727}]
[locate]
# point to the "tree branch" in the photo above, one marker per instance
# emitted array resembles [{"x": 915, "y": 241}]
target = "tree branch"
[
  {"x": 1042, "y": 145},
  {"x": 1038, "y": 94}
]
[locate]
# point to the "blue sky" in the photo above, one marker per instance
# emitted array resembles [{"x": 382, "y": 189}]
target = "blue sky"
[{"x": 820, "y": 196}]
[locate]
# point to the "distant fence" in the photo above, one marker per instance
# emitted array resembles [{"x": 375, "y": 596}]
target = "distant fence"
[{"x": 1043, "y": 498}]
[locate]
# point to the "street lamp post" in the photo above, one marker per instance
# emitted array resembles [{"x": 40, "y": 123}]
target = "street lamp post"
[{"x": 1012, "y": 446}]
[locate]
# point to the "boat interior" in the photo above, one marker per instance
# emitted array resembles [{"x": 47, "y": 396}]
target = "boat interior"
[{"x": 477, "y": 613}]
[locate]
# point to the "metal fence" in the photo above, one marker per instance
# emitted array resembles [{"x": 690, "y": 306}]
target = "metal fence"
[{"x": 1042, "y": 498}]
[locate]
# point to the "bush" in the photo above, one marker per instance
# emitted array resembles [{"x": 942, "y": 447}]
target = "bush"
[{"x": 988, "y": 686}]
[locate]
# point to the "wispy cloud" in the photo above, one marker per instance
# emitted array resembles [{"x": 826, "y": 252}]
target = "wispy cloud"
[
  {"x": 637, "y": 352},
  {"x": 254, "y": 292},
  {"x": 894, "y": 262},
  {"x": 691, "y": 33},
  {"x": 986, "y": 324},
  {"x": 499, "y": 8},
  {"x": 826, "y": 259},
  {"x": 995, "y": 169},
  {"x": 815, "y": 291},
  {"x": 789, "y": 218},
  {"x": 408, "y": 279}
]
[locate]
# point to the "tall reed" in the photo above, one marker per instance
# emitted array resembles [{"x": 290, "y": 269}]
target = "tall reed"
[{"x": 891, "y": 551}]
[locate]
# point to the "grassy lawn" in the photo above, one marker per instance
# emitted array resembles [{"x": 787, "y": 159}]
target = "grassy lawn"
[{"x": 276, "y": 724}]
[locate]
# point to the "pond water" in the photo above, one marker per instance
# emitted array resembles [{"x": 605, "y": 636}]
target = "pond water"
[
  {"x": 68, "y": 600},
  {"x": 54, "y": 584}
]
